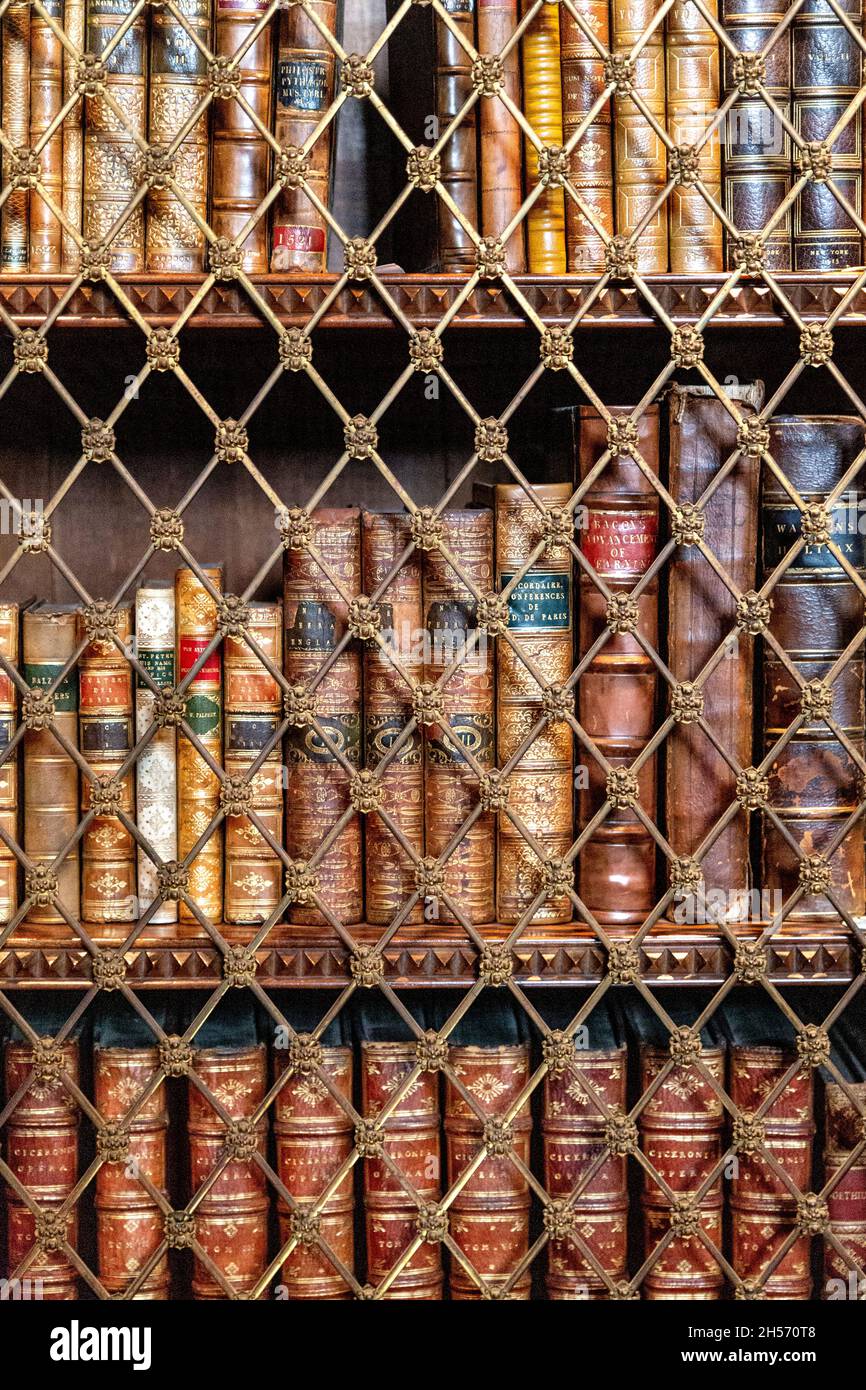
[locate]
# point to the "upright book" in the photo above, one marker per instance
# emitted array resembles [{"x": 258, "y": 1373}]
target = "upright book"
[
  {"x": 500, "y": 141},
  {"x": 542, "y": 106},
  {"x": 178, "y": 83},
  {"x": 692, "y": 83},
  {"x": 9, "y": 788},
  {"x": 459, "y": 154},
  {"x": 156, "y": 768},
  {"x": 241, "y": 156},
  {"x": 198, "y": 786},
  {"x": 639, "y": 153},
  {"x": 846, "y": 1201},
  {"x": 110, "y": 149},
  {"x": 74, "y": 24},
  {"x": 583, "y": 81},
  {"x": 46, "y": 101},
  {"x": 15, "y": 120}
]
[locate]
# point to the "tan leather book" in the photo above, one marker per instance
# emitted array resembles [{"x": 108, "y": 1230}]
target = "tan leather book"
[
  {"x": 156, "y": 768},
  {"x": 500, "y": 139},
  {"x": 198, "y": 786},
  {"x": 110, "y": 152},
  {"x": 639, "y": 153},
  {"x": 240, "y": 156},
  {"x": 15, "y": 120},
  {"x": 542, "y": 106},
  {"x": 46, "y": 100},
  {"x": 692, "y": 74},
  {"x": 9, "y": 771},
  {"x": 178, "y": 82},
  {"x": 74, "y": 22},
  {"x": 459, "y": 155},
  {"x": 592, "y": 157}
]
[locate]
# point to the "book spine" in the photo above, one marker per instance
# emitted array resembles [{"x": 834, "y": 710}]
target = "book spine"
[
  {"x": 178, "y": 82},
  {"x": 240, "y": 155},
  {"x": 156, "y": 769},
  {"x": 314, "y": 1137},
  {"x": 846, "y": 1202},
  {"x": 110, "y": 152},
  {"x": 639, "y": 154},
  {"x": 692, "y": 80},
  {"x": 499, "y": 138},
  {"x": 108, "y": 878},
  {"x": 827, "y": 70},
  {"x": 129, "y": 1223},
  {"x": 15, "y": 112},
  {"x": 305, "y": 90},
  {"x": 412, "y": 1144},
  {"x": 50, "y": 775},
  {"x": 9, "y": 769},
  {"x": 816, "y": 613},
  {"x": 490, "y": 1214},
  {"x": 756, "y": 148},
  {"x": 540, "y": 786},
  {"x": 253, "y": 704},
  {"x": 592, "y": 157},
  {"x": 46, "y": 100},
  {"x": 450, "y": 782},
  {"x": 390, "y": 873},
  {"x": 459, "y": 173},
  {"x": 73, "y": 136},
  {"x": 317, "y": 787},
  {"x": 542, "y": 106},
  {"x": 573, "y": 1129},
  {"x": 617, "y": 692},
  {"x": 232, "y": 1217},
  {"x": 198, "y": 787}
]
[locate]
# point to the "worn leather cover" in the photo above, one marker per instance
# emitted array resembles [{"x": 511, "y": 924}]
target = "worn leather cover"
[
  {"x": 46, "y": 100},
  {"x": 846, "y": 1203},
  {"x": 500, "y": 141},
  {"x": 692, "y": 79},
  {"x": 156, "y": 768},
  {"x": 110, "y": 152},
  {"x": 15, "y": 120},
  {"x": 639, "y": 155},
  {"x": 305, "y": 90},
  {"x": 542, "y": 106},
  {"x": 73, "y": 136},
  {"x": 9, "y": 614},
  {"x": 459, "y": 155},
  {"x": 592, "y": 157},
  {"x": 198, "y": 786},
  {"x": 178, "y": 81},
  {"x": 240, "y": 156}
]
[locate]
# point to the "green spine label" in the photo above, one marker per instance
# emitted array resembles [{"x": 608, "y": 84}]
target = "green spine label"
[
  {"x": 44, "y": 674},
  {"x": 541, "y": 602},
  {"x": 159, "y": 665},
  {"x": 202, "y": 714}
]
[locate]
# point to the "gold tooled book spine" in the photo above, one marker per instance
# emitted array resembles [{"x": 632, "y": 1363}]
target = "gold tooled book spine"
[
  {"x": 592, "y": 157},
  {"x": 198, "y": 786},
  {"x": 73, "y": 135},
  {"x": 156, "y": 769},
  {"x": 15, "y": 120},
  {"x": 542, "y": 105},
  {"x": 500, "y": 139},
  {"x": 110, "y": 151},
  {"x": 178, "y": 82},
  {"x": 692, "y": 76},
  {"x": 46, "y": 100},
  {"x": 240, "y": 155},
  {"x": 9, "y": 769},
  {"x": 639, "y": 154}
]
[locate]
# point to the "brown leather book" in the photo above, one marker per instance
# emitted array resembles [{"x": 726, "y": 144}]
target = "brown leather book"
[
  {"x": 110, "y": 152},
  {"x": 9, "y": 614},
  {"x": 412, "y": 1145},
  {"x": 317, "y": 784},
  {"x": 130, "y": 1226},
  {"x": 51, "y": 811},
  {"x": 542, "y": 106},
  {"x": 231, "y": 1220},
  {"x": 681, "y": 1136},
  {"x": 240, "y": 156},
  {"x": 592, "y": 157},
  {"x": 305, "y": 90},
  {"x": 390, "y": 873},
  {"x": 692, "y": 80},
  {"x": 573, "y": 1128},
  {"x": 253, "y": 714},
  {"x": 763, "y": 1210},
  {"x": 459, "y": 173},
  {"x": 639, "y": 154},
  {"x": 314, "y": 1137},
  {"x": 46, "y": 100},
  {"x": 198, "y": 787},
  {"x": 156, "y": 766},
  {"x": 702, "y": 615},
  {"x": 41, "y": 1142},
  {"x": 74, "y": 16},
  {"x": 619, "y": 536},
  {"x": 450, "y": 782},
  {"x": 846, "y": 1201},
  {"x": 15, "y": 120},
  {"x": 540, "y": 785},
  {"x": 178, "y": 82},
  {"x": 816, "y": 612},
  {"x": 500, "y": 139}
]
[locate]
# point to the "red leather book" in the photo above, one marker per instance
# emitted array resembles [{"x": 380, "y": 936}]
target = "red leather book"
[
  {"x": 846, "y": 1201},
  {"x": 500, "y": 139},
  {"x": 592, "y": 157}
]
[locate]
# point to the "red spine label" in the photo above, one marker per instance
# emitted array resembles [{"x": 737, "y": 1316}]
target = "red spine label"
[
  {"x": 620, "y": 542},
  {"x": 299, "y": 238},
  {"x": 191, "y": 649},
  {"x": 104, "y": 691}
]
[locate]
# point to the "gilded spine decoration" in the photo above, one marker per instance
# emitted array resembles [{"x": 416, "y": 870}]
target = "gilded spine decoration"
[
  {"x": 8, "y": 769},
  {"x": 178, "y": 82},
  {"x": 198, "y": 786},
  {"x": 110, "y": 148},
  {"x": 46, "y": 101},
  {"x": 156, "y": 768}
]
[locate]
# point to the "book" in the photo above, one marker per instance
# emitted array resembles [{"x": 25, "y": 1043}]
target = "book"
[
  {"x": 499, "y": 136},
  {"x": 253, "y": 714},
  {"x": 540, "y": 784},
  {"x": 74, "y": 23},
  {"x": 9, "y": 788},
  {"x": 156, "y": 768},
  {"x": 178, "y": 81},
  {"x": 389, "y": 871},
  {"x": 458, "y": 158},
  {"x": 240, "y": 155},
  {"x": 110, "y": 150},
  {"x": 639, "y": 154},
  {"x": 846, "y": 1199},
  {"x": 692, "y": 89},
  {"x": 618, "y": 534},
  {"x": 15, "y": 120},
  {"x": 304, "y": 92},
  {"x": 542, "y": 106},
  {"x": 816, "y": 613},
  {"x": 46, "y": 101},
  {"x": 315, "y": 613},
  {"x": 198, "y": 786},
  {"x": 592, "y": 157}
]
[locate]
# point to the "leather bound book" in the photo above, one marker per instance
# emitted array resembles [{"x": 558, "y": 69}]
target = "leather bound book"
[
  {"x": 846, "y": 1203},
  {"x": 450, "y": 783},
  {"x": 617, "y": 694},
  {"x": 129, "y": 1224},
  {"x": 253, "y": 703},
  {"x": 51, "y": 814},
  {"x": 542, "y": 106},
  {"x": 412, "y": 1145},
  {"x": 490, "y": 1215},
  {"x": 390, "y": 873},
  {"x": 592, "y": 157},
  {"x": 46, "y": 100},
  {"x": 681, "y": 1136},
  {"x": 9, "y": 769},
  {"x": 232, "y": 1218},
  {"x": 15, "y": 120},
  {"x": 540, "y": 786},
  {"x": 305, "y": 90},
  {"x": 73, "y": 136},
  {"x": 700, "y": 785},
  {"x": 573, "y": 1128},
  {"x": 317, "y": 786},
  {"x": 692, "y": 82},
  {"x": 827, "y": 70},
  {"x": 42, "y": 1151},
  {"x": 178, "y": 82},
  {"x": 816, "y": 613},
  {"x": 314, "y": 1136},
  {"x": 500, "y": 139},
  {"x": 156, "y": 769},
  {"x": 639, "y": 155},
  {"x": 756, "y": 149},
  {"x": 110, "y": 152},
  {"x": 458, "y": 158},
  {"x": 198, "y": 787},
  {"x": 240, "y": 156}
]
